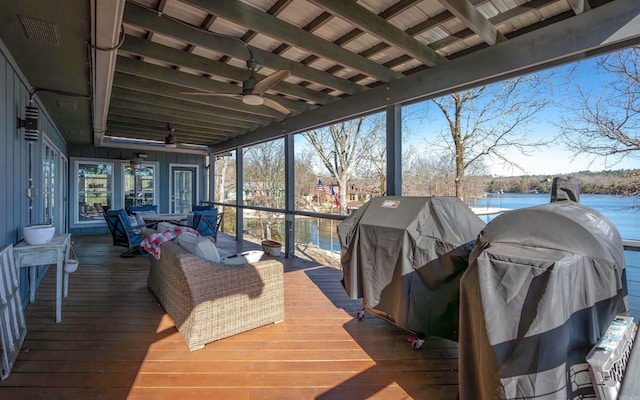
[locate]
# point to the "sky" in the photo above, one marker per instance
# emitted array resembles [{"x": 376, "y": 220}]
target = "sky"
[
  {"x": 557, "y": 161},
  {"x": 554, "y": 159}
]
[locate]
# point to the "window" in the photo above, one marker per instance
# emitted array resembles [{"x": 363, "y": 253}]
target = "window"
[
  {"x": 264, "y": 186},
  {"x": 263, "y": 174},
  {"x": 139, "y": 184},
  {"x": 225, "y": 189},
  {"x": 49, "y": 183},
  {"x": 94, "y": 188}
]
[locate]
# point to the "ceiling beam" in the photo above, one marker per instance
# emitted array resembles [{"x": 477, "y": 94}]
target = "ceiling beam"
[
  {"x": 112, "y": 142},
  {"x": 616, "y": 25},
  {"x": 168, "y": 90},
  {"x": 378, "y": 27},
  {"x": 182, "y": 105},
  {"x": 158, "y": 113},
  {"x": 181, "y": 58},
  {"x": 140, "y": 135},
  {"x": 275, "y": 9},
  {"x": 160, "y": 134},
  {"x": 531, "y": 6},
  {"x": 353, "y": 34},
  {"x": 123, "y": 114},
  {"x": 158, "y": 126},
  {"x": 579, "y": 6},
  {"x": 192, "y": 82},
  {"x": 471, "y": 17},
  {"x": 106, "y": 24},
  {"x": 148, "y": 19},
  {"x": 259, "y": 21}
]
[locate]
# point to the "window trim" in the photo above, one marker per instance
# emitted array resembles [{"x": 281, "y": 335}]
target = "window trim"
[
  {"x": 77, "y": 192},
  {"x": 149, "y": 164}
]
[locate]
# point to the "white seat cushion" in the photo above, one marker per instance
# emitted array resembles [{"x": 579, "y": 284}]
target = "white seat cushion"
[
  {"x": 246, "y": 257},
  {"x": 200, "y": 246}
]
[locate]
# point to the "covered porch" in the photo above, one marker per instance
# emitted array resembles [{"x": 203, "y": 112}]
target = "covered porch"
[
  {"x": 115, "y": 341},
  {"x": 120, "y": 85}
]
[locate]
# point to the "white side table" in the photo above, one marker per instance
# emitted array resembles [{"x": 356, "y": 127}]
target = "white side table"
[{"x": 54, "y": 252}]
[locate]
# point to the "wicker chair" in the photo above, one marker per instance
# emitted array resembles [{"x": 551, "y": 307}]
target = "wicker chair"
[{"x": 209, "y": 301}]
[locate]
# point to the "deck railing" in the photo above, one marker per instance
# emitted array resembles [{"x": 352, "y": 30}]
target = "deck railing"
[{"x": 306, "y": 248}]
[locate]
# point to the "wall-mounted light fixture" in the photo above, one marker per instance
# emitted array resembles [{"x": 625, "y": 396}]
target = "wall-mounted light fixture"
[
  {"x": 142, "y": 155},
  {"x": 29, "y": 123}
]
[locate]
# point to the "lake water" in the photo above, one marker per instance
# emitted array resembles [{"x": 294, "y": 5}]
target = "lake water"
[{"x": 622, "y": 211}]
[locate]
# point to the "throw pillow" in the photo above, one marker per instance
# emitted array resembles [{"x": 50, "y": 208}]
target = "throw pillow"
[
  {"x": 190, "y": 219},
  {"x": 134, "y": 224},
  {"x": 199, "y": 246},
  {"x": 139, "y": 219}
]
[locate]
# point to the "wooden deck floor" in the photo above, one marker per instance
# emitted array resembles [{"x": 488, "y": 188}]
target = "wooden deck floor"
[{"x": 116, "y": 342}]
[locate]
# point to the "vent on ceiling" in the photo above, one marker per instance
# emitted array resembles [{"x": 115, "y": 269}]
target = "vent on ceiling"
[{"x": 41, "y": 31}]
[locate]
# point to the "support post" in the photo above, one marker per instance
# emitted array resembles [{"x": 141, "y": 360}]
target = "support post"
[
  {"x": 394, "y": 150},
  {"x": 289, "y": 202},
  {"x": 239, "y": 199}
]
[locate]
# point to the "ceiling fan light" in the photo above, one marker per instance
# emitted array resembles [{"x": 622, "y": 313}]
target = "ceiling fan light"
[
  {"x": 170, "y": 141},
  {"x": 252, "y": 99}
]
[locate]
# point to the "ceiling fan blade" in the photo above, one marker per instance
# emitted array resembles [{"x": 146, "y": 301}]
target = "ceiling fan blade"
[
  {"x": 212, "y": 94},
  {"x": 270, "y": 81},
  {"x": 276, "y": 106}
]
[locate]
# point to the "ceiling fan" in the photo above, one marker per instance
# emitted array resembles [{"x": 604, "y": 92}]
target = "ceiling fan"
[
  {"x": 170, "y": 140},
  {"x": 252, "y": 92}
]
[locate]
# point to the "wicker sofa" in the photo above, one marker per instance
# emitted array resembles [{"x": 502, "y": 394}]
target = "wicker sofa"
[{"x": 210, "y": 301}]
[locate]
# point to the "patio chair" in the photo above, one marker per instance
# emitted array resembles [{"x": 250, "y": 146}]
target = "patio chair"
[
  {"x": 207, "y": 223},
  {"x": 142, "y": 209},
  {"x": 204, "y": 207},
  {"x": 200, "y": 207},
  {"x": 125, "y": 231}
]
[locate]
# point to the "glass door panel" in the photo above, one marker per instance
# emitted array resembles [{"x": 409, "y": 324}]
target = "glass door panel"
[
  {"x": 183, "y": 188},
  {"x": 139, "y": 186},
  {"x": 94, "y": 182}
]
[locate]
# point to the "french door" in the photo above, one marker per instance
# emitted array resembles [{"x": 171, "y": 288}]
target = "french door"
[
  {"x": 184, "y": 187},
  {"x": 55, "y": 172}
]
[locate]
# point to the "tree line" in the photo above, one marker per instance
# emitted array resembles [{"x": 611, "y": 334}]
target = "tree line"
[{"x": 619, "y": 182}]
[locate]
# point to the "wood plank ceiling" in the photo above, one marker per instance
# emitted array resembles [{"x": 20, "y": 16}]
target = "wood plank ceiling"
[{"x": 175, "y": 55}]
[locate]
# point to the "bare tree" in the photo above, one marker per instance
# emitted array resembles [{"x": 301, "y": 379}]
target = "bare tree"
[
  {"x": 225, "y": 189},
  {"x": 222, "y": 164},
  {"x": 305, "y": 182},
  {"x": 264, "y": 182},
  {"x": 428, "y": 175},
  {"x": 489, "y": 121},
  {"x": 608, "y": 125},
  {"x": 372, "y": 170},
  {"x": 342, "y": 147}
]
